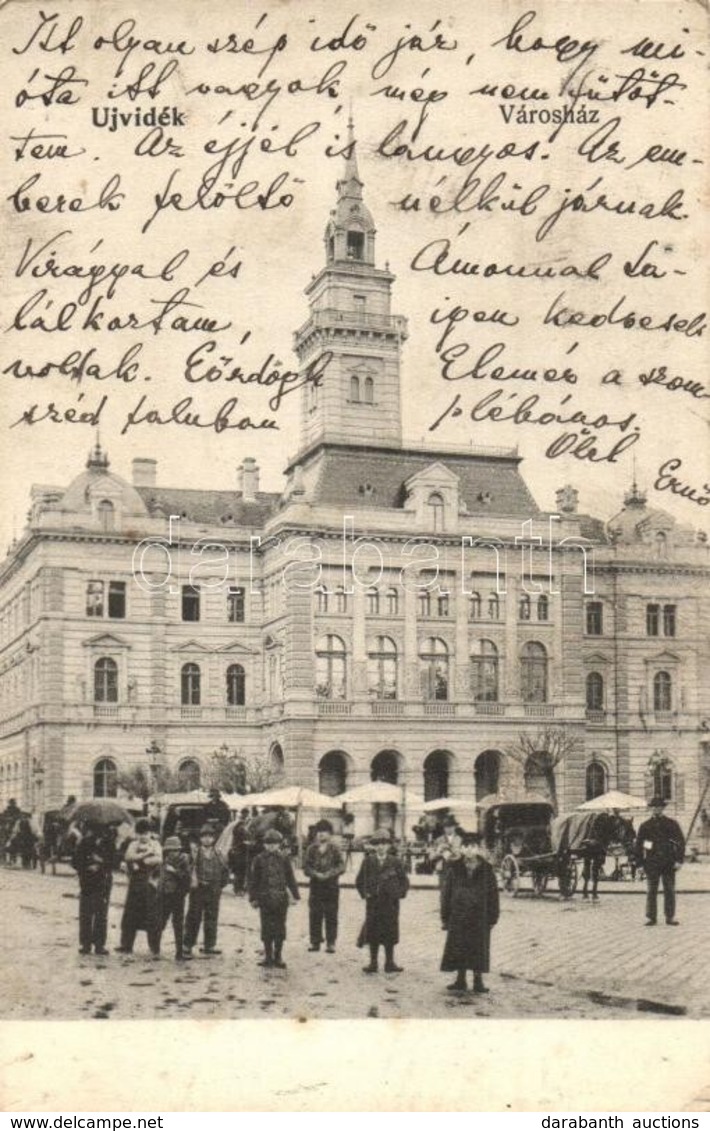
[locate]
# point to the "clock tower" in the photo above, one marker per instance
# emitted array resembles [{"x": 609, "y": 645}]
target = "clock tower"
[{"x": 358, "y": 400}]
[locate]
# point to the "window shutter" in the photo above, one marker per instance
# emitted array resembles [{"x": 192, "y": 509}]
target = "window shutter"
[
  {"x": 679, "y": 790},
  {"x": 648, "y": 783}
]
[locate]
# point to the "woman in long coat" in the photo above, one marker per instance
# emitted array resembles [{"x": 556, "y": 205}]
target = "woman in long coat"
[
  {"x": 382, "y": 883},
  {"x": 469, "y": 910},
  {"x": 141, "y": 911}
]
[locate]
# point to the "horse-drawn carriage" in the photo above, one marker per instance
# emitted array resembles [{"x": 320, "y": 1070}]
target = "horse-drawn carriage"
[{"x": 519, "y": 839}]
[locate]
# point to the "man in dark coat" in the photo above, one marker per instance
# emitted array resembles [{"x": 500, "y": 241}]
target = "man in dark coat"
[
  {"x": 382, "y": 883},
  {"x": 660, "y": 848},
  {"x": 217, "y": 811},
  {"x": 270, "y": 881},
  {"x": 469, "y": 910},
  {"x": 94, "y": 861},
  {"x": 141, "y": 911},
  {"x": 323, "y": 865}
]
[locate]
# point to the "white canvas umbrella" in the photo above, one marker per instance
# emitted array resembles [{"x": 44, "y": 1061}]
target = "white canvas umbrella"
[
  {"x": 459, "y": 805},
  {"x": 380, "y": 793},
  {"x": 615, "y": 800}
]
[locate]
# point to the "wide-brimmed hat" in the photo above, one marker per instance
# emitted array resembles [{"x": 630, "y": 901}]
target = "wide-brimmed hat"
[
  {"x": 208, "y": 830},
  {"x": 323, "y": 827},
  {"x": 273, "y": 836},
  {"x": 657, "y": 803},
  {"x": 381, "y": 837},
  {"x": 172, "y": 844}
]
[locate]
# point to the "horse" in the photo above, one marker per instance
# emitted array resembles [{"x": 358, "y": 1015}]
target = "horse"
[{"x": 603, "y": 830}]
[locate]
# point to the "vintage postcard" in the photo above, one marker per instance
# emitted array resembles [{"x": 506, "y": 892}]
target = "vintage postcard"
[{"x": 354, "y": 592}]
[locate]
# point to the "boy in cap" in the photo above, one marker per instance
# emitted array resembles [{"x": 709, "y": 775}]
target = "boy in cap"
[
  {"x": 382, "y": 883},
  {"x": 209, "y": 876},
  {"x": 323, "y": 865},
  {"x": 174, "y": 886},
  {"x": 270, "y": 881},
  {"x": 469, "y": 910}
]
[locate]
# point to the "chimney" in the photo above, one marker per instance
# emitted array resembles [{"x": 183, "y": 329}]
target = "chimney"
[
  {"x": 567, "y": 500},
  {"x": 248, "y": 479},
  {"x": 144, "y": 472}
]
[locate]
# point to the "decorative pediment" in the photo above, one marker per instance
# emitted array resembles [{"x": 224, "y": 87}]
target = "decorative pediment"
[
  {"x": 271, "y": 642},
  {"x": 106, "y": 640},
  {"x": 596, "y": 659},
  {"x": 191, "y": 646},
  {"x": 235, "y": 647},
  {"x": 435, "y": 475},
  {"x": 662, "y": 659}
]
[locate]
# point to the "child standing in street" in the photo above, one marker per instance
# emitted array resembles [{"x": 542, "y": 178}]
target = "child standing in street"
[
  {"x": 270, "y": 881},
  {"x": 174, "y": 887},
  {"x": 210, "y": 874},
  {"x": 382, "y": 883},
  {"x": 323, "y": 865}
]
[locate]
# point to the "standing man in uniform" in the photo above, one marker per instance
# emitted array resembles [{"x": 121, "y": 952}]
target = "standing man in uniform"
[{"x": 660, "y": 848}]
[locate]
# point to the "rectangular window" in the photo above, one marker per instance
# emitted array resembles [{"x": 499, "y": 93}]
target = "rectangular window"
[
  {"x": 669, "y": 620},
  {"x": 442, "y": 605},
  {"x": 652, "y": 620},
  {"x": 595, "y": 622},
  {"x": 95, "y": 599},
  {"x": 235, "y": 604},
  {"x": 190, "y": 603},
  {"x": 117, "y": 599}
]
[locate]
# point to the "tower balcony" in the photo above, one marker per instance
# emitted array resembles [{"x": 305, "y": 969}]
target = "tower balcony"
[{"x": 332, "y": 319}]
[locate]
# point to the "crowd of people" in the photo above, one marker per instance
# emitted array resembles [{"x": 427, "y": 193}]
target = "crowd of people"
[{"x": 180, "y": 881}]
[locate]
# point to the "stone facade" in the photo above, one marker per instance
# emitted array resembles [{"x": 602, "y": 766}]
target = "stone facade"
[{"x": 404, "y": 612}]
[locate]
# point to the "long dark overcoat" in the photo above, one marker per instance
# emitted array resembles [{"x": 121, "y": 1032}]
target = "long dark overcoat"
[
  {"x": 270, "y": 881},
  {"x": 469, "y": 909},
  {"x": 382, "y": 885}
]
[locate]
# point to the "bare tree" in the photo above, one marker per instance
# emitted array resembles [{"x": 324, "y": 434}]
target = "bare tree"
[
  {"x": 143, "y": 781},
  {"x": 235, "y": 772},
  {"x": 541, "y": 752}
]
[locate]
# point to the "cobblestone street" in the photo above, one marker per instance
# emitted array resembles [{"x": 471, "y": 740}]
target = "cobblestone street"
[{"x": 551, "y": 959}]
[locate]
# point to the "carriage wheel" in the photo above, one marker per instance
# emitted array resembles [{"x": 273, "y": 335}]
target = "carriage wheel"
[
  {"x": 568, "y": 878},
  {"x": 539, "y": 882},
  {"x": 510, "y": 875}
]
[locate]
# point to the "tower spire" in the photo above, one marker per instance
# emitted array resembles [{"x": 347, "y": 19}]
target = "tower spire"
[
  {"x": 98, "y": 458},
  {"x": 350, "y": 234}
]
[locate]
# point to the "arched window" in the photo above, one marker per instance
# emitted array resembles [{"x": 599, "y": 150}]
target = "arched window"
[
  {"x": 341, "y": 600},
  {"x": 322, "y": 599},
  {"x": 662, "y": 692},
  {"x": 474, "y": 608},
  {"x": 190, "y": 685},
  {"x": 373, "y": 601},
  {"x": 382, "y": 668},
  {"x": 392, "y": 602},
  {"x": 595, "y": 692},
  {"x": 543, "y": 608},
  {"x": 189, "y": 774},
  {"x": 434, "y": 669},
  {"x": 663, "y": 780},
  {"x": 236, "y": 686},
  {"x": 368, "y": 390},
  {"x": 436, "y": 775},
  {"x": 276, "y": 760},
  {"x": 595, "y": 780},
  {"x": 385, "y": 767},
  {"x": 107, "y": 514},
  {"x": 105, "y": 778},
  {"x": 333, "y": 773},
  {"x": 494, "y": 607},
  {"x": 435, "y": 504},
  {"x": 105, "y": 681},
  {"x": 486, "y": 771},
  {"x": 355, "y": 389},
  {"x": 330, "y": 668},
  {"x": 524, "y": 608},
  {"x": 484, "y": 673},
  {"x": 533, "y": 673},
  {"x": 424, "y": 600},
  {"x": 355, "y": 245},
  {"x": 661, "y": 545}
]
